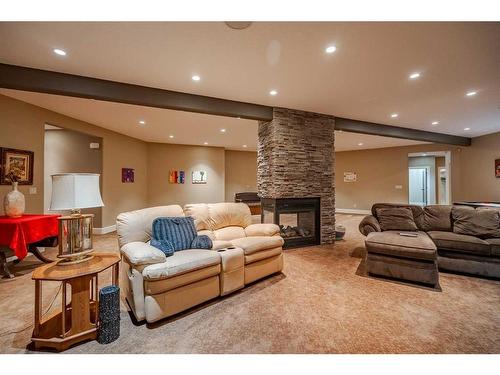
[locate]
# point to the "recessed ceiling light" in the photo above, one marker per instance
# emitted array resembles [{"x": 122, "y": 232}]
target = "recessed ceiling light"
[
  {"x": 142, "y": 122},
  {"x": 330, "y": 49},
  {"x": 435, "y": 123},
  {"x": 195, "y": 78},
  {"x": 273, "y": 92},
  {"x": 223, "y": 130},
  {"x": 394, "y": 115},
  {"x": 360, "y": 144},
  {"x": 59, "y": 52},
  {"x": 471, "y": 93},
  {"x": 205, "y": 143},
  {"x": 171, "y": 136},
  {"x": 466, "y": 129},
  {"x": 414, "y": 75},
  {"x": 245, "y": 146}
]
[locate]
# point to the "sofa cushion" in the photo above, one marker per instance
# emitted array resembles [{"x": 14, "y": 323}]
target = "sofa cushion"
[
  {"x": 495, "y": 246},
  {"x": 137, "y": 225},
  {"x": 216, "y": 245},
  {"x": 262, "y": 230},
  {"x": 228, "y": 214},
  {"x": 181, "y": 262},
  {"x": 393, "y": 244},
  {"x": 229, "y": 233},
  {"x": 179, "y": 231},
  {"x": 396, "y": 218},
  {"x": 251, "y": 245},
  {"x": 483, "y": 223},
  {"x": 140, "y": 253},
  {"x": 417, "y": 211},
  {"x": 199, "y": 212},
  {"x": 459, "y": 242},
  {"x": 437, "y": 217}
]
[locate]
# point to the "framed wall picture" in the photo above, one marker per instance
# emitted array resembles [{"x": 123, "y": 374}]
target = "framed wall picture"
[
  {"x": 497, "y": 168},
  {"x": 199, "y": 177},
  {"x": 19, "y": 162},
  {"x": 350, "y": 177},
  {"x": 127, "y": 175},
  {"x": 176, "y": 177}
]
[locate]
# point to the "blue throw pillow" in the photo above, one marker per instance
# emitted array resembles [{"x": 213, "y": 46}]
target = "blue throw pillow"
[
  {"x": 201, "y": 242},
  {"x": 165, "y": 246},
  {"x": 179, "y": 231}
]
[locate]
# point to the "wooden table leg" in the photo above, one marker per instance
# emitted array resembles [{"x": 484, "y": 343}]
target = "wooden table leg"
[
  {"x": 116, "y": 274},
  {"x": 38, "y": 307},
  {"x": 36, "y": 252},
  {"x": 63, "y": 309}
]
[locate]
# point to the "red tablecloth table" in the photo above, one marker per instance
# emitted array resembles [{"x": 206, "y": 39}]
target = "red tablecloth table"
[{"x": 18, "y": 233}]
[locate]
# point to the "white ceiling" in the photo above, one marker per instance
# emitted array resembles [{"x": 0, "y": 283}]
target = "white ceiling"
[
  {"x": 365, "y": 79},
  {"x": 187, "y": 128}
]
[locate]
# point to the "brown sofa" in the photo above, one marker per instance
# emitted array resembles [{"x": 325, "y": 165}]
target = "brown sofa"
[{"x": 451, "y": 238}]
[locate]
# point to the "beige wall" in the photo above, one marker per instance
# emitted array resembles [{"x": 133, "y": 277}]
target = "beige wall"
[
  {"x": 68, "y": 151},
  {"x": 380, "y": 170},
  {"x": 478, "y": 169},
  {"x": 165, "y": 157},
  {"x": 241, "y": 173},
  {"x": 22, "y": 126}
]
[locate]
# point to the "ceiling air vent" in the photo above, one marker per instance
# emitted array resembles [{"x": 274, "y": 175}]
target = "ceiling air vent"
[{"x": 238, "y": 25}]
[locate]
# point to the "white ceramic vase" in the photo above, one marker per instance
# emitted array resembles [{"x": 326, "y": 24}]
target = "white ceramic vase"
[{"x": 14, "y": 203}]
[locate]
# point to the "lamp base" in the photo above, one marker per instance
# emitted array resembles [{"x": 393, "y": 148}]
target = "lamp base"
[{"x": 70, "y": 259}]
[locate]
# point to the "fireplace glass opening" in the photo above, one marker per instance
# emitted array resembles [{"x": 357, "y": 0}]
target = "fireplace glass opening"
[{"x": 298, "y": 219}]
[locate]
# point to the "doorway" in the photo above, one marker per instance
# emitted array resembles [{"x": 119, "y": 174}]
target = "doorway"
[
  {"x": 419, "y": 186},
  {"x": 429, "y": 178}
]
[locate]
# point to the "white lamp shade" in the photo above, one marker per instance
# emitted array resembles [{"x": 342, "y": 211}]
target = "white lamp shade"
[{"x": 74, "y": 191}]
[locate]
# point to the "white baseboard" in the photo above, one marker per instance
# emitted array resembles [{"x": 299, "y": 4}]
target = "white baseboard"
[
  {"x": 104, "y": 230},
  {"x": 352, "y": 211}
]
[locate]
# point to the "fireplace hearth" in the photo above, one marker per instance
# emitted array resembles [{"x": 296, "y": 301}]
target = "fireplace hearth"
[{"x": 298, "y": 219}]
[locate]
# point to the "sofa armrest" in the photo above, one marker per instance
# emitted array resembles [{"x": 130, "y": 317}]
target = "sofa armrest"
[
  {"x": 255, "y": 230},
  {"x": 369, "y": 224},
  {"x": 140, "y": 253}
]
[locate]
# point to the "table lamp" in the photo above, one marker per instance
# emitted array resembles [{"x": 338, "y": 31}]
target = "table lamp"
[{"x": 74, "y": 191}]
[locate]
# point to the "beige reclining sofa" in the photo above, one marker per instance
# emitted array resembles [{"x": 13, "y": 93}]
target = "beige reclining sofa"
[{"x": 157, "y": 286}]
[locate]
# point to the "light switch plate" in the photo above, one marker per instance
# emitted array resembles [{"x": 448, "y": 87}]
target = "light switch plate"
[
  {"x": 33, "y": 190},
  {"x": 399, "y": 187}
]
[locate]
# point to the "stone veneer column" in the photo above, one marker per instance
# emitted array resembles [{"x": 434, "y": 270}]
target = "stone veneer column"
[{"x": 296, "y": 160}]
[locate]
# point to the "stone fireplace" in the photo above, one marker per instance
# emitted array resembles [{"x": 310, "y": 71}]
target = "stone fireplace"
[
  {"x": 298, "y": 219},
  {"x": 296, "y": 160}
]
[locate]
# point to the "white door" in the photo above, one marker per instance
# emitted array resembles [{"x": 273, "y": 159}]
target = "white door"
[{"x": 418, "y": 186}]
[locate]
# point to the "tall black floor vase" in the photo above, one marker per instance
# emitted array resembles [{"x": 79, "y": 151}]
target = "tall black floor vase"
[{"x": 109, "y": 314}]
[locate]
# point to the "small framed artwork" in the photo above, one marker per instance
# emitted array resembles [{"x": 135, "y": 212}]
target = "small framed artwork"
[
  {"x": 497, "y": 168},
  {"x": 199, "y": 177},
  {"x": 176, "y": 177},
  {"x": 350, "y": 177},
  {"x": 19, "y": 162},
  {"x": 127, "y": 175}
]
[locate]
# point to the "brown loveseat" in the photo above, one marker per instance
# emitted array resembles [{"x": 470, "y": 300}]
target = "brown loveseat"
[{"x": 453, "y": 238}]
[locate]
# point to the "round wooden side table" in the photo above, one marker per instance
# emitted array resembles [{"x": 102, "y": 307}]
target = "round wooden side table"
[{"x": 77, "y": 320}]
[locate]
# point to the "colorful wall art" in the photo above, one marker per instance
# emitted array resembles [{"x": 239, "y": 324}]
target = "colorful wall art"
[{"x": 177, "y": 177}]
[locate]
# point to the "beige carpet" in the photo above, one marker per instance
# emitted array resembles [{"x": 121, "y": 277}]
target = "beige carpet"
[{"x": 322, "y": 303}]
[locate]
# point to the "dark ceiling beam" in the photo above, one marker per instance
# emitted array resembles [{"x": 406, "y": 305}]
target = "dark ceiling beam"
[
  {"x": 371, "y": 128},
  {"x": 44, "y": 81},
  {"x": 29, "y": 79}
]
